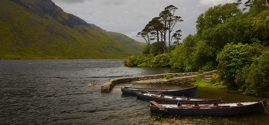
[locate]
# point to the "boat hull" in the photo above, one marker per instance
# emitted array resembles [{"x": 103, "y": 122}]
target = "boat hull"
[
  {"x": 159, "y": 99},
  {"x": 255, "y": 108},
  {"x": 188, "y": 92}
]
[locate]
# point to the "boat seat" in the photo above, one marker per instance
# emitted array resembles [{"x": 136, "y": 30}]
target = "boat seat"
[
  {"x": 153, "y": 96},
  {"x": 239, "y": 104}
]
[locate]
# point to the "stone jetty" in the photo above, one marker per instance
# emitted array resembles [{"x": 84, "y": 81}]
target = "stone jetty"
[{"x": 179, "y": 78}]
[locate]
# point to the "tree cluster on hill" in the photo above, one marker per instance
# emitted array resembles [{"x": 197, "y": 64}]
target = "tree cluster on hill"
[{"x": 233, "y": 42}]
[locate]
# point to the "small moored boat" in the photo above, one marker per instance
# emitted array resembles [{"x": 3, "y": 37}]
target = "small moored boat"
[
  {"x": 169, "y": 98},
  {"x": 209, "y": 108},
  {"x": 188, "y": 92}
]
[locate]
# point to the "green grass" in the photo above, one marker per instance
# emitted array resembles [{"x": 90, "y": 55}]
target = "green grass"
[
  {"x": 169, "y": 76},
  {"x": 202, "y": 83}
]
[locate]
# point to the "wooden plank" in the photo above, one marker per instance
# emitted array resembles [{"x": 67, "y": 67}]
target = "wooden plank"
[{"x": 157, "y": 105}]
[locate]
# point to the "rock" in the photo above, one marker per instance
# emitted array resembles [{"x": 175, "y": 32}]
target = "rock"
[{"x": 90, "y": 85}]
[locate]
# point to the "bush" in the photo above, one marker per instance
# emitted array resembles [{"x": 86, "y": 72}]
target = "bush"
[
  {"x": 212, "y": 81},
  {"x": 129, "y": 61},
  {"x": 231, "y": 61},
  {"x": 200, "y": 72},
  {"x": 156, "y": 48},
  {"x": 147, "y": 49},
  {"x": 208, "y": 66},
  {"x": 216, "y": 77},
  {"x": 234, "y": 62},
  {"x": 161, "y": 60},
  {"x": 177, "y": 57},
  {"x": 169, "y": 76},
  {"x": 256, "y": 75}
]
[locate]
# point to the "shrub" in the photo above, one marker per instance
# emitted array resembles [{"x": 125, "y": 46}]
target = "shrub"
[
  {"x": 200, "y": 72},
  {"x": 256, "y": 75},
  {"x": 169, "y": 76},
  {"x": 129, "y": 61},
  {"x": 231, "y": 61},
  {"x": 212, "y": 81},
  {"x": 234, "y": 61},
  {"x": 147, "y": 48},
  {"x": 161, "y": 60},
  {"x": 216, "y": 77},
  {"x": 156, "y": 48},
  {"x": 208, "y": 66}
]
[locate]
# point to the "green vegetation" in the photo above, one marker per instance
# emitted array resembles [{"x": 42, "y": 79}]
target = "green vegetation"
[
  {"x": 202, "y": 83},
  {"x": 169, "y": 76},
  {"x": 159, "y": 27},
  {"x": 200, "y": 72},
  {"x": 127, "y": 42},
  {"x": 233, "y": 42},
  {"x": 32, "y": 29}
]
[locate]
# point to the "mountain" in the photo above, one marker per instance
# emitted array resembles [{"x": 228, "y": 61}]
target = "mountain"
[
  {"x": 40, "y": 29},
  {"x": 127, "y": 42}
]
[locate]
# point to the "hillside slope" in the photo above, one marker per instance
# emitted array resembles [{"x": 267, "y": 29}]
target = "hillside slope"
[
  {"x": 40, "y": 29},
  {"x": 127, "y": 42}
]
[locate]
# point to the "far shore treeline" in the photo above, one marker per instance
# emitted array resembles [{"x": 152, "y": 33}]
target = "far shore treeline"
[{"x": 231, "y": 40}]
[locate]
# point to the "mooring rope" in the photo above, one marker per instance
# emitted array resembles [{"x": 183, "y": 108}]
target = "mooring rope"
[
  {"x": 147, "y": 92},
  {"x": 163, "y": 112},
  {"x": 264, "y": 107}
]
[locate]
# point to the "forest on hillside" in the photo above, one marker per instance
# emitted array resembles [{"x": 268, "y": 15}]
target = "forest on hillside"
[{"x": 231, "y": 40}]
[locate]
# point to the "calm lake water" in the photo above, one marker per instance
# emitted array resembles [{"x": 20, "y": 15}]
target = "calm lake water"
[{"x": 54, "y": 92}]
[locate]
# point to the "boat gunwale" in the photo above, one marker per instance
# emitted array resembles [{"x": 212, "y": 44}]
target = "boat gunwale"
[
  {"x": 157, "y": 89},
  {"x": 211, "y": 102},
  {"x": 187, "y": 98}
]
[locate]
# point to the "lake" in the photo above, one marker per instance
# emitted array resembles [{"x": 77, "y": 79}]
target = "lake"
[{"x": 54, "y": 92}]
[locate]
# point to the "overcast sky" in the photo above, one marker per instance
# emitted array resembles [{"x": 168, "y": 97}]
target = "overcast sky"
[{"x": 130, "y": 16}]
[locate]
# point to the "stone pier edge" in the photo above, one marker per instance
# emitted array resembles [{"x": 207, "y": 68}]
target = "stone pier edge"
[{"x": 179, "y": 78}]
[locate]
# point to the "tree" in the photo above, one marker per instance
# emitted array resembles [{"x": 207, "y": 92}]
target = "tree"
[
  {"x": 214, "y": 30},
  {"x": 177, "y": 36},
  {"x": 172, "y": 20},
  {"x": 216, "y": 15},
  {"x": 164, "y": 19},
  {"x": 257, "y": 4},
  {"x": 146, "y": 34},
  {"x": 156, "y": 27}
]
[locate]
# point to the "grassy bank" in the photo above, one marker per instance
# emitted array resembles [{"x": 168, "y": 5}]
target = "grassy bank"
[{"x": 209, "y": 84}]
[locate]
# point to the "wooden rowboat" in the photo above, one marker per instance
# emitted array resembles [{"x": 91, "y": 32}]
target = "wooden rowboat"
[
  {"x": 188, "y": 92},
  {"x": 209, "y": 108},
  {"x": 169, "y": 98}
]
